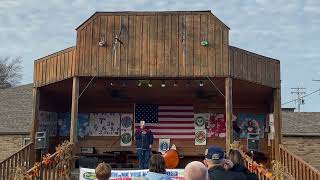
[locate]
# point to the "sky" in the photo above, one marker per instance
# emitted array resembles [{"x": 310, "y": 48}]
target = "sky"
[{"x": 281, "y": 29}]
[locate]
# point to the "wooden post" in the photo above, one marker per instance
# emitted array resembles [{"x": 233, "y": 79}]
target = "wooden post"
[
  {"x": 228, "y": 103},
  {"x": 74, "y": 109},
  {"x": 277, "y": 121},
  {"x": 35, "y": 113},
  {"x": 35, "y": 120}
]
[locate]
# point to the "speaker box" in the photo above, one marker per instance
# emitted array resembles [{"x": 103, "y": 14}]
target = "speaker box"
[{"x": 253, "y": 141}]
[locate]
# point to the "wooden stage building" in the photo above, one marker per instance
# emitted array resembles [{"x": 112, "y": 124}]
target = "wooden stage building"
[{"x": 115, "y": 51}]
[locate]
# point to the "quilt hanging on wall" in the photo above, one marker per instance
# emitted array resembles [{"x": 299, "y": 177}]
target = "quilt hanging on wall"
[
  {"x": 83, "y": 125},
  {"x": 48, "y": 122},
  {"x": 217, "y": 125},
  {"x": 64, "y": 124},
  {"x": 104, "y": 124},
  {"x": 251, "y": 123}
]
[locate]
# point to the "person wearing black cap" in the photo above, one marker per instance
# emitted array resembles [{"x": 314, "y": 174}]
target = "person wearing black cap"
[{"x": 214, "y": 160}]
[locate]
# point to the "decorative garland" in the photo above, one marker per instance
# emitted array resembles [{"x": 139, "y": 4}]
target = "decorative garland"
[{"x": 62, "y": 157}]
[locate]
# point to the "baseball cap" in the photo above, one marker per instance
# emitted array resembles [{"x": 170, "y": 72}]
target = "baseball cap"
[{"x": 214, "y": 153}]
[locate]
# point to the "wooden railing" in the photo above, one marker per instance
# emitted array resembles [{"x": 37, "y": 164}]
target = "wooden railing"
[
  {"x": 49, "y": 171},
  {"x": 296, "y": 166},
  {"x": 21, "y": 158},
  {"x": 54, "y": 166},
  {"x": 255, "y": 168}
]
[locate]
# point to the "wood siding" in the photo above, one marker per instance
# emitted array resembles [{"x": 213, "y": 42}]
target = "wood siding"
[
  {"x": 152, "y": 45},
  {"x": 254, "y": 68},
  {"x": 155, "y": 45},
  {"x": 55, "y": 67}
]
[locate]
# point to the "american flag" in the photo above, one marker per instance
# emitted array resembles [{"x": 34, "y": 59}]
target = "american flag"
[{"x": 174, "y": 122}]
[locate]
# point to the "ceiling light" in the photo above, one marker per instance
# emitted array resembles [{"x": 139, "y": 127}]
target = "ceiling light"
[
  {"x": 150, "y": 84},
  {"x": 175, "y": 84},
  {"x": 139, "y": 83},
  {"x": 111, "y": 84},
  {"x": 201, "y": 84},
  {"x": 163, "y": 84}
]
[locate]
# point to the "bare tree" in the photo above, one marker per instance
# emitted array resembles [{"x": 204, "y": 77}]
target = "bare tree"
[{"x": 10, "y": 71}]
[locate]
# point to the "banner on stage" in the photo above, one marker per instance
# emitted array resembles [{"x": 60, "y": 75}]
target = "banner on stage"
[
  {"x": 89, "y": 174},
  {"x": 104, "y": 124}
]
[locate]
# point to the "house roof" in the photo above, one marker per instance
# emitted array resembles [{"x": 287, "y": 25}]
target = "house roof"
[
  {"x": 16, "y": 109},
  {"x": 300, "y": 123}
]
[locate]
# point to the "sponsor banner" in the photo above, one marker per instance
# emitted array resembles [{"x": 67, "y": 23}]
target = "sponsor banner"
[{"x": 89, "y": 174}]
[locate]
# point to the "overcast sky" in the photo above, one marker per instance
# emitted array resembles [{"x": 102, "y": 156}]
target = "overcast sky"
[{"x": 287, "y": 30}]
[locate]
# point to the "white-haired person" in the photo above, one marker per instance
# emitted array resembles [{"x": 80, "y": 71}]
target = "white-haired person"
[{"x": 195, "y": 170}]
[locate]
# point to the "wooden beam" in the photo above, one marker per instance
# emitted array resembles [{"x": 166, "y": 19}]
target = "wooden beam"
[
  {"x": 35, "y": 113},
  {"x": 74, "y": 109},
  {"x": 228, "y": 103},
  {"x": 35, "y": 121},
  {"x": 277, "y": 120}
]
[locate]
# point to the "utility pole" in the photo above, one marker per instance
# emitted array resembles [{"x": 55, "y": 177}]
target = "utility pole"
[{"x": 299, "y": 91}]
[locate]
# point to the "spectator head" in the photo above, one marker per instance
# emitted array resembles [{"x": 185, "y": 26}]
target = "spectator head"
[
  {"x": 157, "y": 164},
  {"x": 214, "y": 156},
  {"x": 103, "y": 171},
  {"x": 196, "y": 171},
  {"x": 236, "y": 157}
]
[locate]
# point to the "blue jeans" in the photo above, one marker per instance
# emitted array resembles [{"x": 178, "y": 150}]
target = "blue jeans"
[{"x": 143, "y": 156}]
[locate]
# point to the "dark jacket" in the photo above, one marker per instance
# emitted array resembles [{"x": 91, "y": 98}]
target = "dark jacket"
[
  {"x": 241, "y": 168},
  {"x": 144, "y": 138},
  {"x": 219, "y": 173}
]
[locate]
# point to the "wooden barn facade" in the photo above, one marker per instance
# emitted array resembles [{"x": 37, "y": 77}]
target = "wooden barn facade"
[{"x": 116, "y": 50}]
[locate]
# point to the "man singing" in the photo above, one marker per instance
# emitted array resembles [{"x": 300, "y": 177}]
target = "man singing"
[{"x": 144, "y": 141}]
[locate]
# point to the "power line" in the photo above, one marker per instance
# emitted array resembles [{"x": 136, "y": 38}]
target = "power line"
[
  {"x": 318, "y": 90},
  {"x": 299, "y": 91}
]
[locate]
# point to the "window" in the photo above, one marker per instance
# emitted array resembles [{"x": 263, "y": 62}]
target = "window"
[{"x": 26, "y": 140}]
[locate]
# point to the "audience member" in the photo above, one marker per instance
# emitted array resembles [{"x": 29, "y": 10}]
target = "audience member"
[
  {"x": 157, "y": 168},
  {"x": 103, "y": 171},
  {"x": 196, "y": 171},
  {"x": 214, "y": 160},
  {"x": 239, "y": 166}
]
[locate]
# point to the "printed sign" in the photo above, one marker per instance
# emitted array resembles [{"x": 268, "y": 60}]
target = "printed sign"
[
  {"x": 104, "y": 124},
  {"x": 126, "y": 137},
  {"x": 126, "y": 121},
  {"x": 200, "y": 137},
  {"x": 200, "y": 120},
  {"x": 164, "y": 145},
  {"x": 89, "y": 174}
]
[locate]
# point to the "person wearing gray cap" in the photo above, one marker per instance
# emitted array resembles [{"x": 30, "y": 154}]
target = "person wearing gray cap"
[{"x": 214, "y": 160}]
